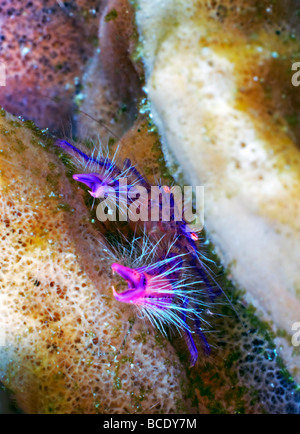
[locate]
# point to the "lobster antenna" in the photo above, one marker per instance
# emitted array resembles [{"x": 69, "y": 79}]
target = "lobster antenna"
[{"x": 98, "y": 121}]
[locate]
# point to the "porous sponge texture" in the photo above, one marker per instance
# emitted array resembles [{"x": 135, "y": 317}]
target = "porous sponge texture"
[
  {"x": 45, "y": 48},
  {"x": 69, "y": 346}
]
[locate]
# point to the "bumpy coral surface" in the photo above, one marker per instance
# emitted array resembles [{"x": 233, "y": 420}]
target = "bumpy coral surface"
[
  {"x": 246, "y": 373},
  {"x": 46, "y": 46},
  {"x": 67, "y": 345}
]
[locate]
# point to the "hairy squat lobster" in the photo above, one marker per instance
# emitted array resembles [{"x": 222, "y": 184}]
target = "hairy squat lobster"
[{"x": 171, "y": 283}]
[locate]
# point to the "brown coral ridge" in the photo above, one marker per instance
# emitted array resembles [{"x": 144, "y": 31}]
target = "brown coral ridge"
[
  {"x": 118, "y": 36},
  {"x": 112, "y": 84},
  {"x": 45, "y": 46},
  {"x": 70, "y": 348}
]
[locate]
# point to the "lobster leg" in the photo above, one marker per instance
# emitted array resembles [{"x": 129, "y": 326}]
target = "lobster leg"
[
  {"x": 213, "y": 294},
  {"x": 206, "y": 346},
  {"x": 189, "y": 339},
  {"x": 136, "y": 173},
  {"x": 102, "y": 162}
]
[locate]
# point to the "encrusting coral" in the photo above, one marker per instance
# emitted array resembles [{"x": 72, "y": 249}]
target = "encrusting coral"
[
  {"x": 45, "y": 46},
  {"x": 69, "y": 346},
  {"x": 63, "y": 327},
  {"x": 244, "y": 373},
  {"x": 219, "y": 81}
]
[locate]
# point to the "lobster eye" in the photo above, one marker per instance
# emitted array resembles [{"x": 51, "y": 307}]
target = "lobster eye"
[{"x": 194, "y": 236}]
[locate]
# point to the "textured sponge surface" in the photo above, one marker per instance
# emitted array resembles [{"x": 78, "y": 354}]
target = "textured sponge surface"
[{"x": 67, "y": 346}]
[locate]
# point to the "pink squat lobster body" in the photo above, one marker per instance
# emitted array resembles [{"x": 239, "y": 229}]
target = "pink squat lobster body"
[
  {"x": 144, "y": 289},
  {"x": 153, "y": 289}
]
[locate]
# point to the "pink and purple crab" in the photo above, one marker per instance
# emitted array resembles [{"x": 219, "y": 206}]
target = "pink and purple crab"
[{"x": 158, "y": 289}]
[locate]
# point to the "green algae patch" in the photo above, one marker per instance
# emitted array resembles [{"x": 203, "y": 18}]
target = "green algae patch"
[
  {"x": 2, "y": 112},
  {"x": 111, "y": 16},
  {"x": 18, "y": 146},
  {"x": 141, "y": 337},
  {"x": 43, "y": 136}
]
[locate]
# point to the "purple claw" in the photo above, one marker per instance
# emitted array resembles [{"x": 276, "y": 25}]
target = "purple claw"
[
  {"x": 71, "y": 149},
  {"x": 94, "y": 182},
  {"x": 103, "y": 163},
  {"x": 135, "y": 279},
  {"x": 144, "y": 289}
]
